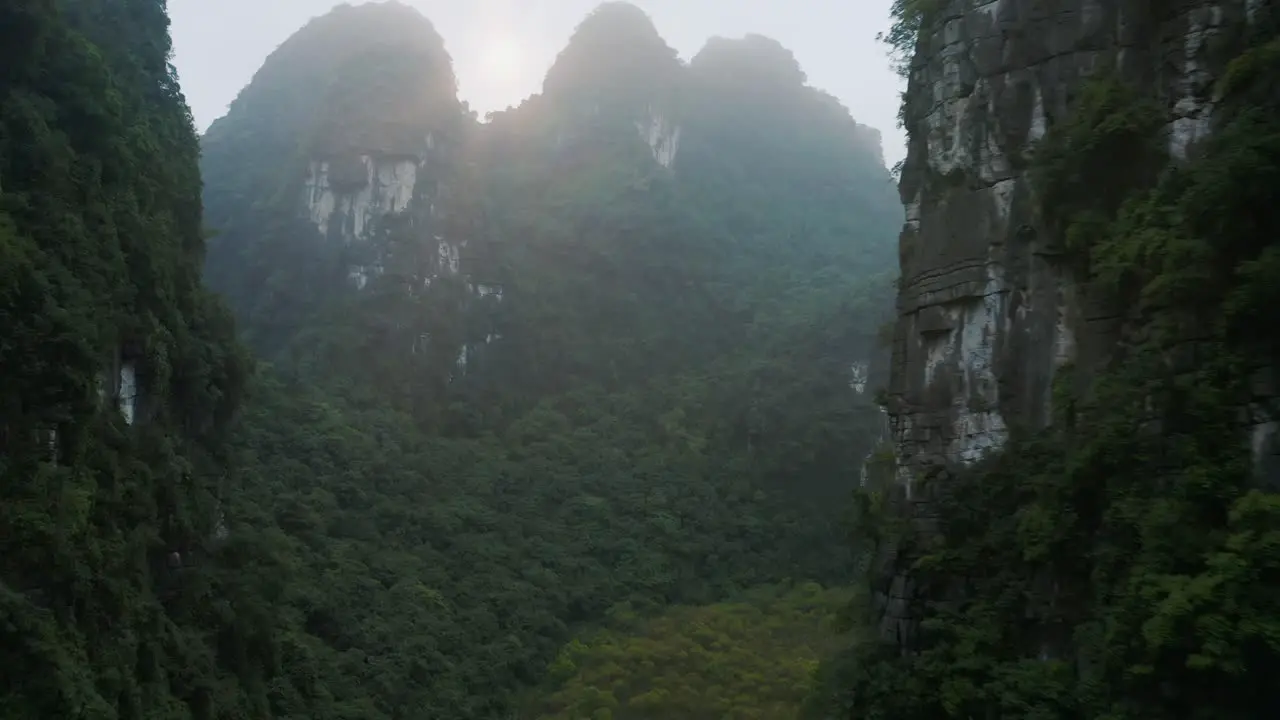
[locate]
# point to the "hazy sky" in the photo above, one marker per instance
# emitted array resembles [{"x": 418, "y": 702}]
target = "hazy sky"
[{"x": 502, "y": 48}]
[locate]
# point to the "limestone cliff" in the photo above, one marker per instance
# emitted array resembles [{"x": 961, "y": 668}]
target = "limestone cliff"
[
  {"x": 616, "y": 71},
  {"x": 988, "y": 308},
  {"x": 343, "y": 148}
]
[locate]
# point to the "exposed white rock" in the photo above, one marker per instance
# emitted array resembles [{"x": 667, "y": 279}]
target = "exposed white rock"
[
  {"x": 979, "y": 425},
  {"x": 1263, "y": 434},
  {"x": 1064, "y": 337},
  {"x": 885, "y": 434},
  {"x": 859, "y": 372},
  {"x": 318, "y": 199},
  {"x": 127, "y": 395},
  {"x": 968, "y": 345},
  {"x": 1039, "y": 125},
  {"x": 902, "y": 473},
  {"x": 448, "y": 256},
  {"x": 489, "y": 290},
  {"x": 937, "y": 347},
  {"x": 662, "y": 137},
  {"x": 991, "y": 9},
  {"x": 360, "y": 275},
  {"x": 1002, "y": 197},
  {"x": 912, "y": 208},
  {"x": 946, "y": 122},
  {"x": 1264, "y": 442},
  {"x": 388, "y": 188},
  {"x": 993, "y": 164},
  {"x": 1193, "y": 113}
]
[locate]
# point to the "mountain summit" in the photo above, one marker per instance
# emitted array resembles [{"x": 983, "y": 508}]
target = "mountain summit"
[
  {"x": 565, "y": 358},
  {"x": 614, "y": 55}
]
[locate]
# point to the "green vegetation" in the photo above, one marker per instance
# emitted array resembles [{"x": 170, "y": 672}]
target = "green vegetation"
[
  {"x": 616, "y": 61},
  {"x": 443, "y": 573},
  {"x": 660, "y": 410},
  {"x": 114, "y": 589},
  {"x": 1121, "y": 564},
  {"x": 379, "y": 534},
  {"x": 908, "y": 17},
  {"x": 318, "y": 97},
  {"x": 617, "y": 491},
  {"x": 753, "y": 657}
]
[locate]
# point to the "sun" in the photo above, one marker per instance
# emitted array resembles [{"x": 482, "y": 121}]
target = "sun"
[{"x": 500, "y": 61}]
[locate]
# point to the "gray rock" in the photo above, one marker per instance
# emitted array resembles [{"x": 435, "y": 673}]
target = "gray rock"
[{"x": 987, "y": 307}]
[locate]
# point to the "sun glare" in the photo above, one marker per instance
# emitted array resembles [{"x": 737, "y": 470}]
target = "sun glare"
[{"x": 501, "y": 60}]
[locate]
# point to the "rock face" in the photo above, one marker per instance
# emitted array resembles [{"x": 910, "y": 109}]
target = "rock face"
[
  {"x": 662, "y": 136},
  {"x": 349, "y": 201},
  {"x": 385, "y": 186},
  {"x": 987, "y": 309}
]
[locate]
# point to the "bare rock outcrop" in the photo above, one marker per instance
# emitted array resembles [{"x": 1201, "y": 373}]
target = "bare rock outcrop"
[{"x": 988, "y": 309}]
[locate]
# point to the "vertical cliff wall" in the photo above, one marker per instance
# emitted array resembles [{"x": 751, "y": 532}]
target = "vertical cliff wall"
[
  {"x": 987, "y": 309},
  {"x": 988, "y": 306}
]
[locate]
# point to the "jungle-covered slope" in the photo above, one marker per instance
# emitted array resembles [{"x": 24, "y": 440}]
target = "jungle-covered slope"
[
  {"x": 585, "y": 363},
  {"x": 119, "y": 374}
]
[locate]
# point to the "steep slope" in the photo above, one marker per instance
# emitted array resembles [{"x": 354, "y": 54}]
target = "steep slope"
[
  {"x": 617, "y": 70},
  {"x": 349, "y": 121},
  {"x": 788, "y": 201},
  {"x": 1083, "y": 385},
  {"x": 542, "y": 366},
  {"x": 120, "y": 373}
]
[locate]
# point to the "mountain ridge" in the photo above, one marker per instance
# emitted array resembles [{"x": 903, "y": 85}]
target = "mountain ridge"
[{"x": 620, "y": 366}]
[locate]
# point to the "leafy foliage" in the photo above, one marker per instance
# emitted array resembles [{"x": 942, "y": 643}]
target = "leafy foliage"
[
  {"x": 113, "y": 589},
  {"x": 615, "y": 58},
  {"x": 908, "y": 17},
  {"x": 1122, "y": 563},
  {"x": 319, "y": 97},
  {"x": 511, "y": 538},
  {"x": 659, "y": 410},
  {"x": 753, "y": 657}
]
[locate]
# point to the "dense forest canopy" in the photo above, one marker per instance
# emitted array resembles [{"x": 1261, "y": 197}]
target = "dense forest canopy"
[
  {"x": 522, "y": 372},
  {"x": 515, "y": 382},
  {"x": 120, "y": 373},
  {"x": 752, "y": 658},
  {"x": 564, "y": 414},
  {"x": 615, "y": 55}
]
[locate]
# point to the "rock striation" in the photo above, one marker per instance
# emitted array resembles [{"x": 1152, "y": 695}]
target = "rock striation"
[{"x": 987, "y": 308}]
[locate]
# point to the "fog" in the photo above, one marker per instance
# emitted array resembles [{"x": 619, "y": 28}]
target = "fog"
[{"x": 502, "y": 48}]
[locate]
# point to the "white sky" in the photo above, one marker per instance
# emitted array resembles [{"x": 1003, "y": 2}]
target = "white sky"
[{"x": 502, "y": 48}]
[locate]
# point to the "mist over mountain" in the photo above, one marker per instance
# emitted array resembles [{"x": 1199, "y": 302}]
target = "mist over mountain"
[
  {"x": 471, "y": 392},
  {"x": 614, "y": 345},
  {"x": 646, "y": 398}
]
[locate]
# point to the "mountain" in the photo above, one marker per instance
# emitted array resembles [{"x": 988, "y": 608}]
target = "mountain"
[
  {"x": 616, "y": 344},
  {"x": 120, "y": 376},
  {"x": 334, "y": 127},
  {"x": 560, "y": 414},
  {"x": 1076, "y": 513}
]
